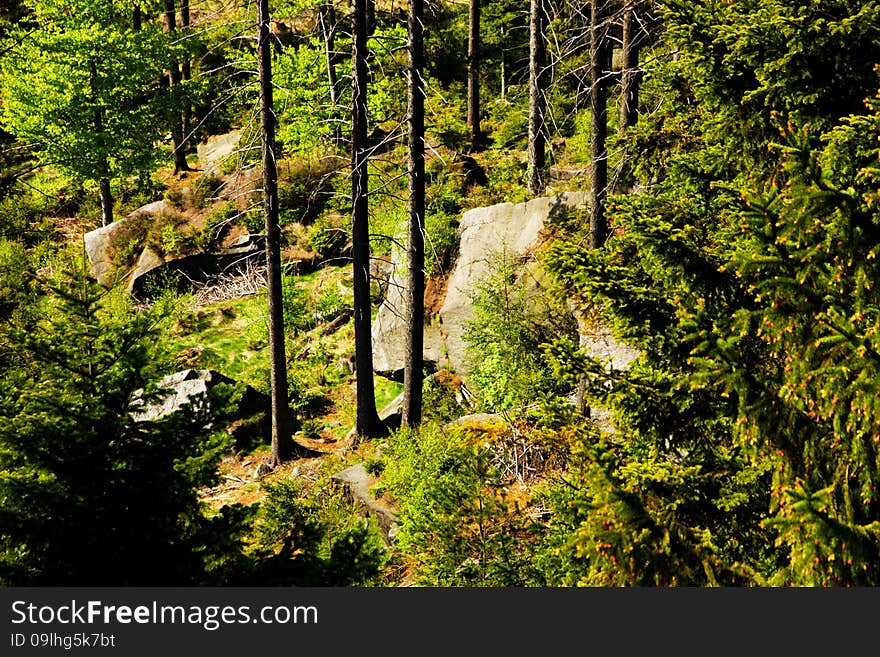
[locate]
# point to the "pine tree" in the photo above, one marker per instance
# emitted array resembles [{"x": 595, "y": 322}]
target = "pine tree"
[
  {"x": 744, "y": 447},
  {"x": 92, "y": 495}
]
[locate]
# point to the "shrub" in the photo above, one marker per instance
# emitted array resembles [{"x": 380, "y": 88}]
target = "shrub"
[
  {"x": 314, "y": 538},
  {"x": 458, "y": 527},
  {"x": 513, "y": 317}
]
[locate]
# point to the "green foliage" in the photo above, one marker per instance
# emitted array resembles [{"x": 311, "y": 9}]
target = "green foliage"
[
  {"x": 305, "y": 184},
  {"x": 93, "y": 495},
  {"x": 513, "y": 318},
  {"x": 315, "y": 539},
  {"x": 81, "y": 88},
  {"x": 457, "y": 525},
  {"x": 217, "y": 222},
  {"x": 742, "y": 452},
  {"x": 327, "y": 238},
  {"x": 303, "y": 98}
]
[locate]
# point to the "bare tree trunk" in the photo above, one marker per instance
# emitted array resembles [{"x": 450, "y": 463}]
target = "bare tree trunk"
[
  {"x": 503, "y": 72},
  {"x": 367, "y": 422},
  {"x": 413, "y": 372},
  {"x": 136, "y": 18},
  {"x": 600, "y": 65},
  {"x": 537, "y": 99},
  {"x": 282, "y": 441},
  {"x": 185, "y": 22},
  {"x": 371, "y": 17},
  {"x": 104, "y": 181},
  {"x": 327, "y": 17},
  {"x": 473, "y": 90},
  {"x": 106, "y": 202},
  {"x": 186, "y": 71},
  {"x": 630, "y": 76},
  {"x": 177, "y": 134},
  {"x": 632, "y": 39}
]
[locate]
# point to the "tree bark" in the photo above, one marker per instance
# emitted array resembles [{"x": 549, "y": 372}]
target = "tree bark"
[
  {"x": 413, "y": 372},
  {"x": 282, "y": 441},
  {"x": 537, "y": 99},
  {"x": 185, "y": 72},
  {"x": 136, "y": 18},
  {"x": 106, "y": 202},
  {"x": 473, "y": 90},
  {"x": 600, "y": 66},
  {"x": 367, "y": 419},
  {"x": 104, "y": 181},
  {"x": 630, "y": 76},
  {"x": 177, "y": 136},
  {"x": 327, "y": 17}
]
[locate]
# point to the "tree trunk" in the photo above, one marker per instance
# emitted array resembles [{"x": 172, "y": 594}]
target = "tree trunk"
[
  {"x": 186, "y": 72},
  {"x": 98, "y": 124},
  {"x": 136, "y": 18},
  {"x": 537, "y": 99},
  {"x": 282, "y": 442},
  {"x": 413, "y": 372},
  {"x": 327, "y": 17},
  {"x": 177, "y": 138},
  {"x": 371, "y": 17},
  {"x": 106, "y": 202},
  {"x": 630, "y": 76},
  {"x": 630, "y": 79},
  {"x": 367, "y": 422},
  {"x": 473, "y": 90},
  {"x": 600, "y": 65},
  {"x": 185, "y": 22},
  {"x": 503, "y": 72}
]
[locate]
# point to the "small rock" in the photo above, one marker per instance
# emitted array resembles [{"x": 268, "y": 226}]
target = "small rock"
[{"x": 262, "y": 470}]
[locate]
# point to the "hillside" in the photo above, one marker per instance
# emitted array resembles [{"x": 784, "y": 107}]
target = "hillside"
[{"x": 649, "y": 340}]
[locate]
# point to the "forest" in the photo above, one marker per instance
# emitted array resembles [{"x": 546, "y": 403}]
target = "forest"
[{"x": 207, "y": 208}]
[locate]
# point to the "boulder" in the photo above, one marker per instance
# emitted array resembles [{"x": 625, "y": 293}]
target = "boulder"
[
  {"x": 356, "y": 483},
  {"x": 99, "y": 243},
  {"x": 217, "y": 149},
  {"x": 187, "y": 387},
  {"x": 196, "y": 269},
  {"x": 509, "y": 228}
]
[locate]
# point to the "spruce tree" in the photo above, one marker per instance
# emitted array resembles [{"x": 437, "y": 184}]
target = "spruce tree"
[{"x": 94, "y": 496}]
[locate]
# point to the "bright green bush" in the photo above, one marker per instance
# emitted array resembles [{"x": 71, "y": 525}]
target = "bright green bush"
[{"x": 457, "y": 525}]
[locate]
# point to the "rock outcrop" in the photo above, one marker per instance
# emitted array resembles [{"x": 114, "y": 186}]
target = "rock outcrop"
[
  {"x": 188, "y": 387},
  {"x": 189, "y": 270},
  {"x": 196, "y": 269},
  {"x": 507, "y": 228},
  {"x": 357, "y": 483},
  {"x": 100, "y": 244}
]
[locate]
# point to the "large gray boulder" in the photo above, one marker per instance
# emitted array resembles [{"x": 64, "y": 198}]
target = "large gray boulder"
[
  {"x": 356, "y": 484},
  {"x": 101, "y": 243},
  {"x": 215, "y": 150},
  {"x": 507, "y": 229},
  {"x": 188, "y": 387},
  {"x": 196, "y": 269}
]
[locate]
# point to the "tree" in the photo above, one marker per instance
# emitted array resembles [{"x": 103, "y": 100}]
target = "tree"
[
  {"x": 367, "y": 422},
  {"x": 327, "y": 18},
  {"x": 81, "y": 89},
  {"x": 632, "y": 35},
  {"x": 413, "y": 373},
  {"x": 744, "y": 449},
  {"x": 174, "y": 81},
  {"x": 635, "y": 31},
  {"x": 600, "y": 68},
  {"x": 474, "y": 55},
  {"x": 92, "y": 494},
  {"x": 283, "y": 446},
  {"x": 538, "y": 76}
]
